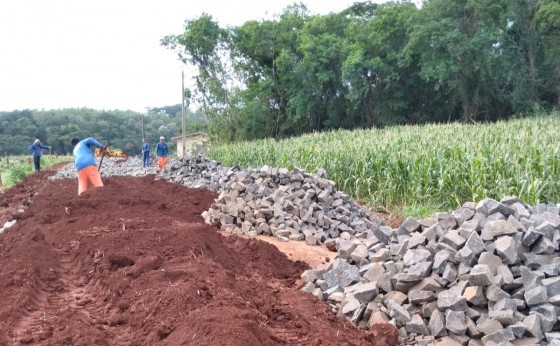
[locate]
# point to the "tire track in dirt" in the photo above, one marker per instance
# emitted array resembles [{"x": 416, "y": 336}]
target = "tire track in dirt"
[
  {"x": 31, "y": 327},
  {"x": 70, "y": 293},
  {"x": 286, "y": 325},
  {"x": 285, "y": 333},
  {"x": 283, "y": 324}
]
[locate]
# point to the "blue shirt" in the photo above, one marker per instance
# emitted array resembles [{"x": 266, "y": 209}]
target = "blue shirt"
[
  {"x": 145, "y": 148},
  {"x": 162, "y": 150},
  {"x": 83, "y": 154},
  {"x": 36, "y": 149}
]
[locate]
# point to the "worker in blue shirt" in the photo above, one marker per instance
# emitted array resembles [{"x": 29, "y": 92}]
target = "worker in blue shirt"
[
  {"x": 37, "y": 149},
  {"x": 85, "y": 163},
  {"x": 146, "y": 153},
  {"x": 162, "y": 152}
]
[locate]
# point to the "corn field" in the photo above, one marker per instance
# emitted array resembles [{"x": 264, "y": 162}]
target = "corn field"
[{"x": 443, "y": 165}]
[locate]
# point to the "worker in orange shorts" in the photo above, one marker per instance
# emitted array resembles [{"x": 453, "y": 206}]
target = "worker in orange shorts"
[
  {"x": 85, "y": 163},
  {"x": 162, "y": 151}
]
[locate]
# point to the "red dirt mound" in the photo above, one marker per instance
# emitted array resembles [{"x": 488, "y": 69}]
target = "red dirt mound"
[{"x": 133, "y": 263}]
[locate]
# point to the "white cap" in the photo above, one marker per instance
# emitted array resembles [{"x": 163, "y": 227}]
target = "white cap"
[
  {"x": 37, "y": 141},
  {"x": 161, "y": 137}
]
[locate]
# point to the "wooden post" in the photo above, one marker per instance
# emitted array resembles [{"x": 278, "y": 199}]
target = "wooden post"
[{"x": 183, "y": 111}]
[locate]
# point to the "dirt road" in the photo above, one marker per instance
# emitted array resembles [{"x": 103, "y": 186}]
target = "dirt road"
[{"x": 133, "y": 263}]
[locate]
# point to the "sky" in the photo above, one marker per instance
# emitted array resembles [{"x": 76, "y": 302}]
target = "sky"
[{"x": 106, "y": 54}]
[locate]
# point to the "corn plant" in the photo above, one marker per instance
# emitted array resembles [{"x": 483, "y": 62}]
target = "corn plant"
[{"x": 443, "y": 165}]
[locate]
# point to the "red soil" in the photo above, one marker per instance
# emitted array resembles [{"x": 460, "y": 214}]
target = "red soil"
[{"x": 133, "y": 263}]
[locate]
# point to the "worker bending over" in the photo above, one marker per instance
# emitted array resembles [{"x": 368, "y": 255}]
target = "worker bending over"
[{"x": 85, "y": 163}]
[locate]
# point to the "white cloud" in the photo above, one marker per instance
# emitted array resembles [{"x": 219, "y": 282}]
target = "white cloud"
[{"x": 106, "y": 54}]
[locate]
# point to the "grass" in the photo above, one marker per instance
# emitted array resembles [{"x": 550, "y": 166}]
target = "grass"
[{"x": 13, "y": 169}]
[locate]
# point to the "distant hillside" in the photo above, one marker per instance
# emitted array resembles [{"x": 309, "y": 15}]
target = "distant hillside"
[{"x": 122, "y": 129}]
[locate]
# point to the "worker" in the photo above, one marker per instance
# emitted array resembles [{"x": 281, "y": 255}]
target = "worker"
[
  {"x": 162, "y": 151},
  {"x": 37, "y": 149},
  {"x": 85, "y": 163},
  {"x": 146, "y": 153}
]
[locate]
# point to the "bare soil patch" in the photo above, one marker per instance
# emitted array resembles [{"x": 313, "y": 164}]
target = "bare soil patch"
[
  {"x": 133, "y": 263},
  {"x": 300, "y": 251}
]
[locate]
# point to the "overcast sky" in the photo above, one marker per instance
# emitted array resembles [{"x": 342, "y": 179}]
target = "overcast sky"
[{"x": 106, "y": 54}]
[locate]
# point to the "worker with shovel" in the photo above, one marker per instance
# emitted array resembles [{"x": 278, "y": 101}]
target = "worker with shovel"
[{"x": 85, "y": 163}]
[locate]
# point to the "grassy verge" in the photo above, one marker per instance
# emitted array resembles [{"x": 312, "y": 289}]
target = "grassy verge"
[{"x": 14, "y": 168}]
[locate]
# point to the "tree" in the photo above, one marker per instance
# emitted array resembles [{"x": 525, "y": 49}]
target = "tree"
[
  {"x": 384, "y": 90},
  {"x": 547, "y": 25},
  {"x": 204, "y": 45},
  {"x": 56, "y": 128},
  {"x": 170, "y": 111},
  {"x": 455, "y": 40},
  {"x": 373, "y": 65}
]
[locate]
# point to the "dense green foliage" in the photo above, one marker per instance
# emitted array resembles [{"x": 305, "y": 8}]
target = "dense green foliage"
[
  {"x": 122, "y": 129},
  {"x": 438, "y": 165},
  {"x": 374, "y": 65},
  {"x": 368, "y": 66}
]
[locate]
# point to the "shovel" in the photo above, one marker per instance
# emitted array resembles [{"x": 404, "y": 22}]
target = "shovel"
[{"x": 102, "y": 156}]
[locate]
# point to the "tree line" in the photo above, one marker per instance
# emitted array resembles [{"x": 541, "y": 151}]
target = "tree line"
[
  {"x": 373, "y": 65},
  {"x": 368, "y": 66},
  {"x": 121, "y": 129}
]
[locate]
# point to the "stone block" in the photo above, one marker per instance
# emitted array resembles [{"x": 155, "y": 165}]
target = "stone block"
[
  {"x": 533, "y": 324},
  {"x": 536, "y": 296},
  {"x": 495, "y": 229},
  {"x": 420, "y": 296},
  {"x": 506, "y": 248},
  {"x": 481, "y": 275},
  {"x": 365, "y": 292},
  {"x": 498, "y": 336},
  {"x": 488, "y": 326},
  {"x": 455, "y": 322},
  {"x": 416, "y": 325},
  {"x": 491, "y": 260},
  {"x": 475, "y": 295},
  {"x": 437, "y": 324},
  {"x": 400, "y": 314},
  {"x": 450, "y": 301}
]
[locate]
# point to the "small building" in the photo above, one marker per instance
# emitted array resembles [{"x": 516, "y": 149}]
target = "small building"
[{"x": 194, "y": 143}]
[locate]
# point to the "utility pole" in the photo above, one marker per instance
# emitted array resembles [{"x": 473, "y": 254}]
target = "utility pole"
[
  {"x": 143, "y": 127},
  {"x": 183, "y": 110}
]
